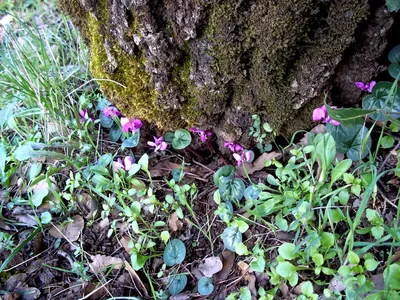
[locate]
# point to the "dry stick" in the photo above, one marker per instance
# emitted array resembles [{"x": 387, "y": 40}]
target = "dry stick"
[
  {"x": 387, "y": 157},
  {"x": 205, "y": 167}
]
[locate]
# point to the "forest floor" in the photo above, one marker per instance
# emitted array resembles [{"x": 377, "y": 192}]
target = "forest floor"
[{"x": 89, "y": 211}]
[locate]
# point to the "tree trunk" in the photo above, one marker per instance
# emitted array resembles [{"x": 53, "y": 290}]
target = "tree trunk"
[{"x": 214, "y": 63}]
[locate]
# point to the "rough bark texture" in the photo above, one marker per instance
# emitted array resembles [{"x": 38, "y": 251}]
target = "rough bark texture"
[{"x": 214, "y": 63}]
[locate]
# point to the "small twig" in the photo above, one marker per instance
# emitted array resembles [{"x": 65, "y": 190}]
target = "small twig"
[
  {"x": 386, "y": 198},
  {"x": 205, "y": 167}
]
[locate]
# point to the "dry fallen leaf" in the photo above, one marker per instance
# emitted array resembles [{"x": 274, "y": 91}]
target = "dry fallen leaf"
[
  {"x": 317, "y": 129},
  {"x": 244, "y": 268},
  {"x": 124, "y": 242},
  {"x": 102, "y": 261},
  {"x": 211, "y": 266},
  {"x": 70, "y": 231},
  {"x": 174, "y": 223},
  {"x": 258, "y": 164},
  {"x": 228, "y": 259}
]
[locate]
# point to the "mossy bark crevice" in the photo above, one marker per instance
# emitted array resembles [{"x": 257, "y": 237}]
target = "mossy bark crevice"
[{"x": 215, "y": 63}]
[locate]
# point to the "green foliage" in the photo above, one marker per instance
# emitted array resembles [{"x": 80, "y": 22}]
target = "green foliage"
[
  {"x": 231, "y": 237},
  {"x": 174, "y": 252},
  {"x": 393, "y": 5},
  {"x": 255, "y": 131},
  {"x": 181, "y": 139},
  {"x": 205, "y": 286},
  {"x": 177, "y": 283}
]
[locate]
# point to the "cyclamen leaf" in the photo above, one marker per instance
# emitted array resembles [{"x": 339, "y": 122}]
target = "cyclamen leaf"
[
  {"x": 225, "y": 171},
  {"x": 182, "y": 139},
  {"x": 347, "y": 114},
  {"x": 231, "y": 237},
  {"x": 393, "y": 5},
  {"x": 394, "y": 54},
  {"x": 394, "y": 70},
  {"x": 106, "y": 122},
  {"x": 205, "y": 286},
  {"x": 115, "y": 133},
  {"x": 132, "y": 141},
  {"x": 174, "y": 252},
  {"x": 176, "y": 284}
]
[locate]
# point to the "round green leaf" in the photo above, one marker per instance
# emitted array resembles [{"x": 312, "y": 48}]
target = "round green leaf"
[
  {"x": 205, "y": 286},
  {"x": 131, "y": 141},
  {"x": 287, "y": 251},
  {"x": 176, "y": 284},
  {"x": 174, "y": 252},
  {"x": 225, "y": 171},
  {"x": 45, "y": 218},
  {"x": 371, "y": 264},
  {"x": 285, "y": 269},
  {"x": 182, "y": 139},
  {"x": 387, "y": 142},
  {"x": 229, "y": 211},
  {"x": 231, "y": 237},
  {"x": 394, "y": 54},
  {"x": 353, "y": 258},
  {"x": 258, "y": 264},
  {"x": 106, "y": 122}
]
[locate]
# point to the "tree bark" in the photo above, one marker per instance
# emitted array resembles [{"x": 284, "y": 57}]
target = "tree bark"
[{"x": 214, "y": 63}]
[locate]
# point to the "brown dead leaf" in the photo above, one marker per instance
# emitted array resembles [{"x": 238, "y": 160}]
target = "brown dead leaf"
[
  {"x": 244, "y": 268},
  {"x": 258, "y": 164},
  {"x": 94, "y": 291},
  {"x": 228, "y": 259},
  {"x": 90, "y": 206},
  {"x": 174, "y": 223},
  {"x": 70, "y": 231},
  {"x": 102, "y": 261},
  {"x": 136, "y": 279},
  {"x": 124, "y": 242},
  {"x": 211, "y": 266},
  {"x": 26, "y": 219},
  {"x": 317, "y": 129}
]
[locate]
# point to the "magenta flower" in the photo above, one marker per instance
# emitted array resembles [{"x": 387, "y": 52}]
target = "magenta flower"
[
  {"x": 130, "y": 124},
  {"x": 83, "y": 113},
  {"x": 246, "y": 156},
  {"x": 203, "y": 134},
  {"x": 124, "y": 165},
  {"x": 365, "y": 86},
  {"x": 234, "y": 147},
  {"x": 158, "y": 144},
  {"x": 111, "y": 111},
  {"x": 320, "y": 114}
]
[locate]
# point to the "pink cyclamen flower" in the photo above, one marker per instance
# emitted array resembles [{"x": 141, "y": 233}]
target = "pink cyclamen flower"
[
  {"x": 111, "y": 111},
  {"x": 158, "y": 144},
  {"x": 124, "y": 165},
  {"x": 234, "y": 147},
  {"x": 130, "y": 124},
  {"x": 246, "y": 156},
  {"x": 203, "y": 134},
  {"x": 365, "y": 86},
  {"x": 321, "y": 114},
  {"x": 83, "y": 113}
]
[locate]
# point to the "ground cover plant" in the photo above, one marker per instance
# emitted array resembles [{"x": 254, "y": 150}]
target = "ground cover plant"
[{"x": 98, "y": 205}]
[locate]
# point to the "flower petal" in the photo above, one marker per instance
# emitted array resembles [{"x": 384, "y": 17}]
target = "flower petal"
[
  {"x": 117, "y": 165},
  {"x": 163, "y": 146},
  {"x": 137, "y": 123},
  {"x": 152, "y": 144},
  {"x": 237, "y": 157},
  {"x": 128, "y": 161},
  {"x": 318, "y": 114},
  {"x": 360, "y": 85}
]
